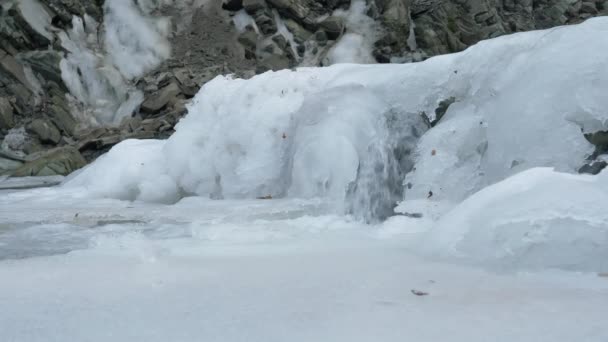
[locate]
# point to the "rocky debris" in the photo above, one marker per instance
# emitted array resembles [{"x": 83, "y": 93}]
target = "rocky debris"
[
  {"x": 453, "y": 25},
  {"x": 60, "y": 161}
]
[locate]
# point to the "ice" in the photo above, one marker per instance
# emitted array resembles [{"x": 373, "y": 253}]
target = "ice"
[
  {"x": 136, "y": 290},
  {"x": 99, "y": 66},
  {"x": 135, "y": 41},
  {"x": 254, "y": 138},
  {"x": 536, "y": 219},
  {"x": 104, "y": 94},
  {"x": 356, "y": 45}
]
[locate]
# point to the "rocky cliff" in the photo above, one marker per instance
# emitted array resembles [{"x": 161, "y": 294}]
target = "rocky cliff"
[{"x": 77, "y": 77}]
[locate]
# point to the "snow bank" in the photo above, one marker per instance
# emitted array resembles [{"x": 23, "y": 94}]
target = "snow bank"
[
  {"x": 538, "y": 218},
  {"x": 521, "y": 102}
]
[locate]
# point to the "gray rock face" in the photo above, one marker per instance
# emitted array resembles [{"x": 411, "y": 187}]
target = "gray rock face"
[
  {"x": 45, "y": 130},
  {"x": 61, "y": 161}
]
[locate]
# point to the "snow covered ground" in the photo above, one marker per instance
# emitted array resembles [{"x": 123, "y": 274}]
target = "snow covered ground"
[
  {"x": 166, "y": 241},
  {"x": 261, "y": 271}
]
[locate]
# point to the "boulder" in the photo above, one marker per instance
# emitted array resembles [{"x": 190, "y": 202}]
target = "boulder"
[
  {"x": 333, "y": 26},
  {"x": 249, "y": 39},
  {"x": 7, "y": 165},
  {"x": 252, "y": 6},
  {"x": 156, "y": 102},
  {"x": 61, "y": 161},
  {"x": 45, "y": 131},
  {"x": 232, "y": 5}
]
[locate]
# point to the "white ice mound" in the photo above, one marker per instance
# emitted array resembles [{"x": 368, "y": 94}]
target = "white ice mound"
[
  {"x": 521, "y": 102},
  {"x": 537, "y": 218}
]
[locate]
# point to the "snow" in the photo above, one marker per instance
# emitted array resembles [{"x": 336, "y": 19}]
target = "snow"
[
  {"x": 536, "y": 219},
  {"x": 338, "y": 295}
]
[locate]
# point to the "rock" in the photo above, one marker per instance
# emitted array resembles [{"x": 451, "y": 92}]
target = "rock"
[
  {"x": 153, "y": 104},
  {"x": 151, "y": 125},
  {"x": 15, "y": 69},
  {"x": 46, "y": 63},
  {"x": 302, "y": 11},
  {"x": 589, "y": 7},
  {"x": 60, "y": 161},
  {"x": 300, "y": 34},
  {"x": 333, "y": 26},
  {"x": 321, "y": 38},
  {"x": 6, "y": 114},
  {"x": 7, "y": 165},
  {"x": 249, "y": 39},
  {"x": 265, "y": 23},
  {"x": 274, "y": 63},
  {"x": 45, "y": 130},
  {"x": 280, "y": 41},
  {"x": 599, "y": 140},
  {"x": 232, "y": 5},
  {"x": 593, "y": 168},
  {"x": 252, "y": 6},
  {"x": 441, "y": 109}
]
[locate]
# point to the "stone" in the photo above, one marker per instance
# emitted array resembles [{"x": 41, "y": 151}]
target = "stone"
[
  {"x": 321, "y": 38},
  {"x": 156, "y": 102},
  {"x": 333, "y": 27},
  {"x": 7, "y": 165},
  {"x": 300, "y": 34},
  {"x": 252, "y": 6},
  {"x": 60, "y": 161},
  {"x": 46, "y": 63},
  {"x": 45, "y": 130},
  {"x": 593, "y": 168},
  {"x": 274, "y": 63},
  {"x": 441, "y": 109},
  {"x": 589, "y": 7},
  {"x": 249, "y": 39},
  {"x": 232, "y": 5},
  {"x": 15, "y": 69},
  {"x": 598, "y": 139},
  {"x": 6, "y": 114}
]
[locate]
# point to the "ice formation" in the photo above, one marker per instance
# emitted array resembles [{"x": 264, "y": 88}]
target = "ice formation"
[{"x": 102, "y": 60}]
